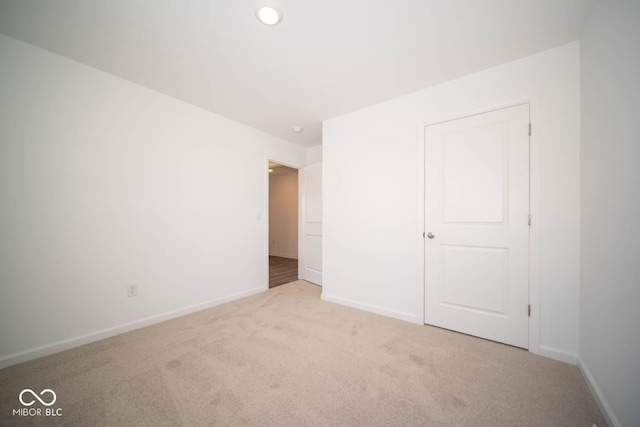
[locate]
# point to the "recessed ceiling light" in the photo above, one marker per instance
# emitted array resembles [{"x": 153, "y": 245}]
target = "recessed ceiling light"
[
  {"x": 270, "y": 170},
  {"x": 297, "y": 129},
  {"x": 268, "y": 12}
]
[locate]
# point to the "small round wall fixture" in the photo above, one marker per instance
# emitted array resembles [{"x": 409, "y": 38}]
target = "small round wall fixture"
[{"x": 268, "y": 12}]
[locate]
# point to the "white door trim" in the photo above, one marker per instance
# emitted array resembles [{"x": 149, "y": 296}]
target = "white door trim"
[
  {"x": 265, "y": 215},
  {"x": 534, "y": 195}
]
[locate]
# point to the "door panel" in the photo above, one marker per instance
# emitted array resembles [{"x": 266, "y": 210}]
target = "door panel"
[
  {"x": 479, "y": 196},
  {"x": 314, "y": 253},
  {"x": 474, "y": 278},
  {"x": 477, "y": 208},
  {"x": 310, "y": 259}
]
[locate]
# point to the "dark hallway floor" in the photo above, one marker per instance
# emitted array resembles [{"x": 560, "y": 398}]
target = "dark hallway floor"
[{"x": 282, "y": 270}]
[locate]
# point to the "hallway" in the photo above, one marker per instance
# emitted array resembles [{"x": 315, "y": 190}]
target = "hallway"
[{"x": 282, "y": 270}]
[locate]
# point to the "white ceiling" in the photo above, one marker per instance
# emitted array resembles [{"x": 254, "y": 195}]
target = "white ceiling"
[{"x": 326, "y": 58}]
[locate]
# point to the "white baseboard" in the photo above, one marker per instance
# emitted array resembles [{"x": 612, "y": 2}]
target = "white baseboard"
[
  {"x": 556, "y": 354},
  {"x": 59, "y": 346},
  {"x": 609, "y": 416},
  {"x": 283, "y": 255},
  {"x": 371, "y": 308}
]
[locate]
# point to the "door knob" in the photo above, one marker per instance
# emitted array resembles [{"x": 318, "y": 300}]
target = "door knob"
[{"x": 431, "y": 235}]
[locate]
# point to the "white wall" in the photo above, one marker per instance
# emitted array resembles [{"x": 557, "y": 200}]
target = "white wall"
[
  {"x": 283, "y": 215},
  {"x": 610, "y": 254},
  {"x": 314, "y": 154},
  {"x": 104, "y": 183},
  {"x": 372, "y": 191}
]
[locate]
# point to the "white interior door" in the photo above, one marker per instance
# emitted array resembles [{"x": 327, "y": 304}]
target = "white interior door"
[
  {"x": 310, "y": 243},
  {"x": 476, "y": 220}
]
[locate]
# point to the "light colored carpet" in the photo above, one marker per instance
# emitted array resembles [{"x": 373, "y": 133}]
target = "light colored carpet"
[{"x": 286, "y": 358}]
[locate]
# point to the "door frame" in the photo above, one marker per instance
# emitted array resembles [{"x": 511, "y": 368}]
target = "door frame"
[
  {"x": 534, "y": 206},
  {"x": 265, "y": 209}
]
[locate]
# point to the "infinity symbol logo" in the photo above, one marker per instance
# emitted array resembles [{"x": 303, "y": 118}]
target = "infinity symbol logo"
[{"x": 33, "y": 393}]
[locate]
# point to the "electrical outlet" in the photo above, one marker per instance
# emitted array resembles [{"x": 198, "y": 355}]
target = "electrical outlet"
[{"x": 132, "y": 290}]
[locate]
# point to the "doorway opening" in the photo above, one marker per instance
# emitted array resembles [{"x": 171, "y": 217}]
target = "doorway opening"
[{"x": 283, "y": 224}]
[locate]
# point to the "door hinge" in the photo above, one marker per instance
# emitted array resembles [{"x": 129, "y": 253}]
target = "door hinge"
[
  {"x": 529, "y": 222},
  {"x": 529, "y": 310},
  {"x": 423, "y": 235},
  {"x": 529, "y": 129}
]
